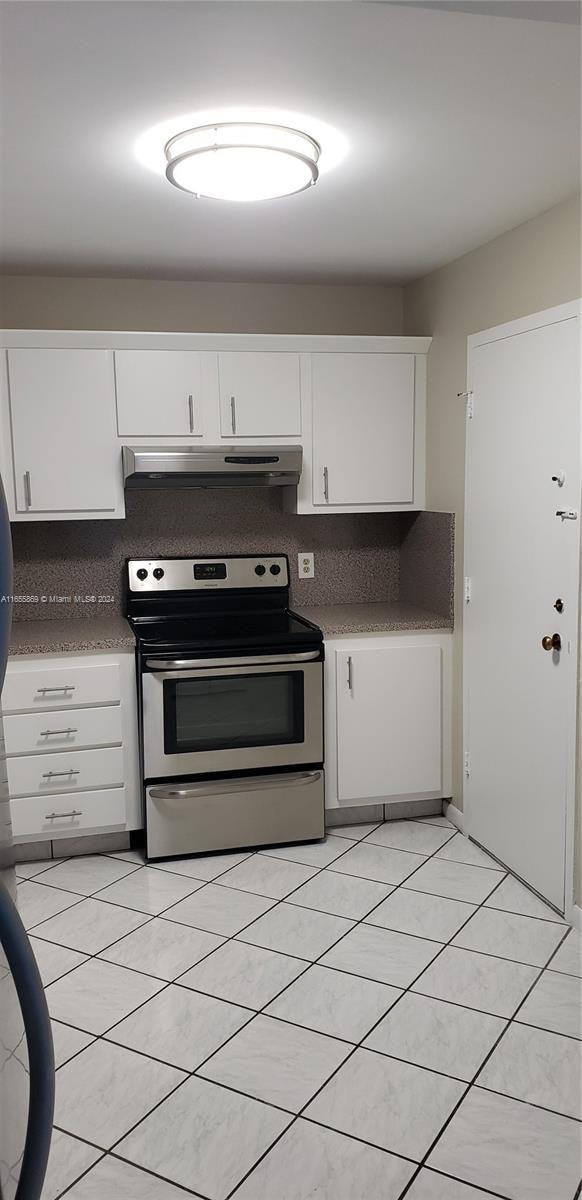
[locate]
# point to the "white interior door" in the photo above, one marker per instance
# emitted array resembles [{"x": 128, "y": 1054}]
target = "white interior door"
[{"x": 522, "y": 559}]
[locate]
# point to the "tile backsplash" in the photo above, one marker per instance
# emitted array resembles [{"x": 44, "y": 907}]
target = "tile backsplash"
[{"x": 358, "y": 557}]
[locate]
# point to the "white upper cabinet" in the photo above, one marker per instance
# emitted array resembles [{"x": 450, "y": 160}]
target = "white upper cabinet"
[
  {"x": 159, "y": 393},
  {"x": 260, "y": 394},
  {"x": 66, "y": 458},
  {"x": 363, "y": 422},
  {"x": 389, "y": 721}
]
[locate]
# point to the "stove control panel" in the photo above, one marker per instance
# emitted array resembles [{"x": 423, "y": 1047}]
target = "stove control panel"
[{"x": 195, "y": 574}]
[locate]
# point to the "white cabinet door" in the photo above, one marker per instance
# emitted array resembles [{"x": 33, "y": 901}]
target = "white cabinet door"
[
  {"x": 389, "y": 721},
  {"x": 62, "y": 407},
  {"x": 363, "y": 428},
  {"x": 260, "y": 394},
  {"x": 158, "y": 393}
]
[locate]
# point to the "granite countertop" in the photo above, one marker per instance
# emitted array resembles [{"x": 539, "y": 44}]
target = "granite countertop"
[
  {"x": 109, "y": 631},
  {"x": 385, "y": 617}
]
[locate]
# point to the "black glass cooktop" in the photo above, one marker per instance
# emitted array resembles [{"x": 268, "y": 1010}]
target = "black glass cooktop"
[{"x": 208, "y": 633}]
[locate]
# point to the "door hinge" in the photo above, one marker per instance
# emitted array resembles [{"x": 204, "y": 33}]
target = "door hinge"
[
  {"x": 467, "y": 589},
  {"x": 467, "y": 764},
  {"x": 468, "y": 398}
]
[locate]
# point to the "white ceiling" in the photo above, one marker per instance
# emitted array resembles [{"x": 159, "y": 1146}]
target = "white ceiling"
[{"x": 460, "y": 125}]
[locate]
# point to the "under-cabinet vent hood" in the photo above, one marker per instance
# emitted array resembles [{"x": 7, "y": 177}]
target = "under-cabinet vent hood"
[{"x": 211, "y": 466}]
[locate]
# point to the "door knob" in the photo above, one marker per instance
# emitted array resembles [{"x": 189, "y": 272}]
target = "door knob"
[{"x": 552, "y": 641}]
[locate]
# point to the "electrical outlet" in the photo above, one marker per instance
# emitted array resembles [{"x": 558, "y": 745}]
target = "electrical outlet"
[{"x": 306, "y": 565}]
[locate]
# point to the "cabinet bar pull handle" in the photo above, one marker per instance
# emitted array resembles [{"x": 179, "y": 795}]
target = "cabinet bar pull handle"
[
  {"x": 233, "y": 413},
  {"x": 53, "y": 774},
  {"x": 57, "y": 732},
  {"x": 191, "y": 412},
  {"x": 75, "y": 812},
  {"x": 350, "y": 684},
  {"x": 63, "y": 687},
  {"x": 27, "y": 491},
  {"x": 326, "y": 484}
]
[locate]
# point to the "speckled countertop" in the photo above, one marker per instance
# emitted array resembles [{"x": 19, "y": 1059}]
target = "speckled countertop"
[
  {"x": 107, "y": 632},
  {"x": 383, "y": 617},
  {"x": 111, "y": 631}
]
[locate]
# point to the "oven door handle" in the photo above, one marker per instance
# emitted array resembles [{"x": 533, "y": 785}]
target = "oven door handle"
[
  {"x": 219, "y": 787},
  {"x": 185, "y": 664}
]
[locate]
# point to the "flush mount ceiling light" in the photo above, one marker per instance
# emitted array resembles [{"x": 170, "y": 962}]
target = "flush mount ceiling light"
[{"x": 242, "y": 161}]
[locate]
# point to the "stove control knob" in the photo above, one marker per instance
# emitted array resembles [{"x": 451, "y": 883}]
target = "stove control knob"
[
  {"x": 142, "y": 573},
  {"x": 275, "y": 569},
  {"x": 158, "y": 572},
  {"x": 260, "y": 569}
]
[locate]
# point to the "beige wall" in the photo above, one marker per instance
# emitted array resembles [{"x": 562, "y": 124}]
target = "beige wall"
[
  {"x": 531, "y": 268},
  {"x": 55, "y": 302}
]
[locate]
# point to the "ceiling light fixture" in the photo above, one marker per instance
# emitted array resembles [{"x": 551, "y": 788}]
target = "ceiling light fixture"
[{"x": 242, "y": 161}]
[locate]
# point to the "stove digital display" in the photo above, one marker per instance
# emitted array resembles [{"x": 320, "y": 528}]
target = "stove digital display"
[{"x": 210, "y": 570}]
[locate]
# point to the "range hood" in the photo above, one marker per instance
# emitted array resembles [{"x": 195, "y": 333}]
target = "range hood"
[{"x": 211, "y": 466}]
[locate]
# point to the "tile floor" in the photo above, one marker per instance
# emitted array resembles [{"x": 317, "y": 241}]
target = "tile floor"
[{"x": 381, "y": 1015}]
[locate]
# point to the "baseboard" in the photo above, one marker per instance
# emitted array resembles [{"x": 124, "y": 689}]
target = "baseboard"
[
  {"x": 455, "y": 816},
  {"x": 574, "y": 916}
]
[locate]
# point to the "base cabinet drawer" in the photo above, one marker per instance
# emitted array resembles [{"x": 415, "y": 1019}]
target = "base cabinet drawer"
[
  {"x": 65, "y": 815},
  {"x": 44, "y": 688},
  {"x": 45, "y": 774},
  {"x": 76, "y": 729}
]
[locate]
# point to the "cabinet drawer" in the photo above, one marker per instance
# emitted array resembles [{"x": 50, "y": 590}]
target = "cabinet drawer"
[
  {"x": 41, "y": 774},
  {"x": 78, "y": 729},
  {"x": 64, "y": 815},
  {"x": 39, "y": 687}
]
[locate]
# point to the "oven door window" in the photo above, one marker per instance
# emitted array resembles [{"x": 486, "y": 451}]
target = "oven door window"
[{"x": 225, "y": 712}]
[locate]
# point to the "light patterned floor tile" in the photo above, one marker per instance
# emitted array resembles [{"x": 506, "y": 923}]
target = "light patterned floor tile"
[
  {"x": 341, "y": 895},
  {"x": 511, "y": 1149},
  {"x": 312, "y": 854},
  {"x": 354, "y": 833},
  {"x": 86, "y": 874},
  {"x": 244, "y": 974},
  {"x": 279, "y": 1063},
  {"x": 381, "y": 954},
  {"x": 98, "y": 994},
  {"x": 537, "y": 1067},
  {"x": 334, "y": 1003},
  {"x": 180, "y": 1027},
  {"x": 67, "y": 1042},
  {"x": 36, "y": 902},
  {"x": 512, "y": 896},
  {"x": 429, "y": 1185},
  {"x": 68, "y": 1159},
  {"x": 457, "y": 881},
  {"x": 391, "y": 1104},
  {"x": 219, "y": 910},
  {"x": 462, "y": 849},
  {"x": 113, "y": 1179},
  {"x": 204, "y": 1137},
  {"x": 441, "y": 821},
  {"x": 411, "y": 835},
  {"x": 202, "y": 866},
  {"x": 507, "y": 935},
  {"x": 54, "y": 961},
  {"x": 149, "y": 891},
  {"x": 300, "y": 932},
  {"x": 380, "y": 863},
  {"x": 555, "y": 1003},
  {"x": 491, "y": 985},
  {"x": 439, "y": 1036},
  {"x": 90, "y": 926},
  {"x": 568, "y": 959},
  {"x": 421, "y": 915},
  {"x": 162, "y": 948},
  {"x": 267, "y": 876},
  {"x": 332, "y": 1167},
  {"x": 28, "y": 870},
  {"x": 106, "y": 1089}
]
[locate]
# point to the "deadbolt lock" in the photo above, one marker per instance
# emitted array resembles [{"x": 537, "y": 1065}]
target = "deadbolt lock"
[
  {"x": 559, "y": 605},
  {"x": 552, "y": 641}
]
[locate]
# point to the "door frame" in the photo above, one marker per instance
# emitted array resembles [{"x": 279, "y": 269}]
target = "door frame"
[{"x": 549, "y": 316}]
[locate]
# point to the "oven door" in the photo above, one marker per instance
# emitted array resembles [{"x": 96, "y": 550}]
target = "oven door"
[{"x": 240, "y": 714}]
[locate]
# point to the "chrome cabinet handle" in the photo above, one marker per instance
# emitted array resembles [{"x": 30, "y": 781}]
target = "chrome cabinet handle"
[
  {"x": 57, "y": 732},
  {"x": 326, "y": 485},
  {"x": 350, "y": 682},
  {"x": 54, "y": 774},
  {"x": 191, "y": 412},
  {"x": 75, "y": 812},
  {"x": 63, "y": 687},
  {"x": 233, "y": 413},
  {"x": 27, "y": 491}
]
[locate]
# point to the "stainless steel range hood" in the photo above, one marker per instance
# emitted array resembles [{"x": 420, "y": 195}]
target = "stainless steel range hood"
[{"x": 211, "y": 466}]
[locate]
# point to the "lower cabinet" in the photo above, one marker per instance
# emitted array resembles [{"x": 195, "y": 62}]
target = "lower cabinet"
[
  {"x": 387, "y": 718},
  {"x": 70, "y": 726}
]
